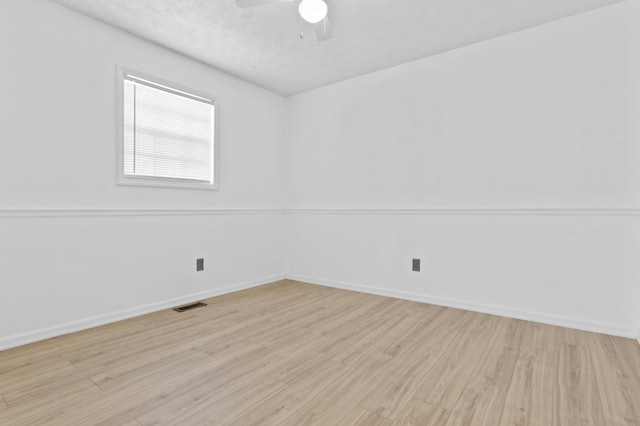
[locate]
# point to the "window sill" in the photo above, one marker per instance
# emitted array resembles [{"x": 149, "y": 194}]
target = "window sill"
[{"x": 165, "y": 183}]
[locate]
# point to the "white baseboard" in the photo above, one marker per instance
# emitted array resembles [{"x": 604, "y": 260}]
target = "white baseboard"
[
  {"x": 70, "y": 327},
  {"x": 476, "y": 307},
  {"x": 49, "y": 332}
]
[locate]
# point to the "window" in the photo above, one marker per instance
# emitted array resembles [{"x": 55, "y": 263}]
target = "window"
[{"x": 167, "y": 134}]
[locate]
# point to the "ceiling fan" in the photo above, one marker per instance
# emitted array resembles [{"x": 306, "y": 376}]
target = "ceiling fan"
[{"x": 312, "y": 11}]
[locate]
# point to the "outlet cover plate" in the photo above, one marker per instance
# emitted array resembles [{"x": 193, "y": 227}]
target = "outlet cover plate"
[{"x": 415, "y": 265}]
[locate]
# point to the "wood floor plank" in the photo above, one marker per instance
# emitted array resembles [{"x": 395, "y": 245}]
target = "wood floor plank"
[
  {"x": 539, "y": 337},
  {"x": 482, "y": 401},
  {"x": 50, "y": 389},
  {"x": 43, "y": 410},
  {"x": 234, "y": 404},
  {"x": 445, "y": 381},
  {"x": 621, "y": 401},
  {"x": 31, "y": 353},
  {"x": 294, "y": 353},
  {"x": 122, "y": 403},
  {"x": 627, "y": 352},
  {"x": 19, "y": 375},
  {"x": 153, "y": 367},
  {"x": 370, "y": 341},
  {"x": 303, "y": 385},
  {"x": 415, "y": 359},
  {"x": 419, "y": 413},
  {"x": 577, "y": 396},
  {"x": 361, "y": 417},
  {"x": 529, "y": 400},
  {"x": 426, "y": 324},
  {"x": 337, "y": 400},
  {"x": 220, "y": 379},
  {"x": 95, "y": 339}
]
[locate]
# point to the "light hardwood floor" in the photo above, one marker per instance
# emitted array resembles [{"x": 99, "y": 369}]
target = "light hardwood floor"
[{"x": 293, "y": 353}]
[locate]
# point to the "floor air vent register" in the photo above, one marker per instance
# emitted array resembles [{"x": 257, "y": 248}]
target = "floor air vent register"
[{"x": 189, "y": 307}]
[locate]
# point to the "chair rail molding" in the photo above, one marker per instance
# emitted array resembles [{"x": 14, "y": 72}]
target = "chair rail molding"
[
  {"x": 89, "y": 212},
  {"x": 471, "y": 211}
]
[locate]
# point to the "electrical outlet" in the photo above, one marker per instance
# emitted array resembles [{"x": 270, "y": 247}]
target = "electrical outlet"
[
  {"x": 200, "y": 264},
  {"x": 415, "y": 265}
]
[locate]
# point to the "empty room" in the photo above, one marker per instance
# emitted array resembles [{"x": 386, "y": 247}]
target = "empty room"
[{"x": 331, "y": 212}]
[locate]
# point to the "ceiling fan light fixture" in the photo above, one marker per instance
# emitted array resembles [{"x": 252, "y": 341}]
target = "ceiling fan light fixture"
[{"x": 313, "y": 11}]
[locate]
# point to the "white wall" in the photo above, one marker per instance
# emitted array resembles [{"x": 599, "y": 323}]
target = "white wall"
[
  {"x": 492, "y": 162},
  {"x": 106, "y": 251}
]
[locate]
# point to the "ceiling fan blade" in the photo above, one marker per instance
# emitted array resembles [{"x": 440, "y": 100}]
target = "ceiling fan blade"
[
  {"x": 323, "y": 29},
  {"x": 252, "y": 3}
]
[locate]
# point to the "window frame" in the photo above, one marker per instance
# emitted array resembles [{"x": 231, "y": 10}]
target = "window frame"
[{"x": 151, "y": 181}]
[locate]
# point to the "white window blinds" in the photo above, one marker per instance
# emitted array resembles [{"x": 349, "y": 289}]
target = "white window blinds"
[{"x": 168, "y": 133}]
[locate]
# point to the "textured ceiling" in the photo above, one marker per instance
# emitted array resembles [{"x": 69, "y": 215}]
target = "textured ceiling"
[{"x": 262, "y": 44}]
